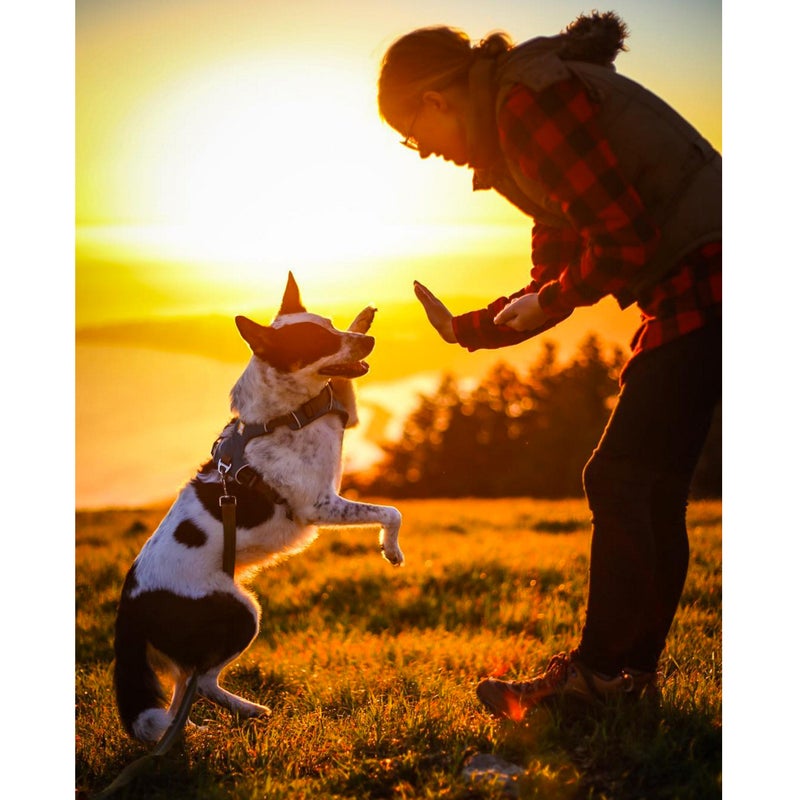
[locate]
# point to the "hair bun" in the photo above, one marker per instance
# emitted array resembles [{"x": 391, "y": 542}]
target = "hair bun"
[{"x": 596, "y": 38}]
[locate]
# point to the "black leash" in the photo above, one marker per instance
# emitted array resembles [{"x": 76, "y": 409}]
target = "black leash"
[
  {"x": 227, "y": 504},
  {"x": 165, "y": 743}
]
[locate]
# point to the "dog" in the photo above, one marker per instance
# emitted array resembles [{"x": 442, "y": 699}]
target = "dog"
[{"x": 280, "y": 458}]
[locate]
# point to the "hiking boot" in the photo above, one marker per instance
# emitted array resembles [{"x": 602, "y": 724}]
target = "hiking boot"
[{"x": 566, "y": 676}]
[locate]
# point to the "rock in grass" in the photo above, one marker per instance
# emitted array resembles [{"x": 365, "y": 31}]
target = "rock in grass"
[{"x": 484, "y": 767}]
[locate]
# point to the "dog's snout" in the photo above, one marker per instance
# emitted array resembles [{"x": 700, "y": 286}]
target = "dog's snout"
[{"x": 366, "y": 343}]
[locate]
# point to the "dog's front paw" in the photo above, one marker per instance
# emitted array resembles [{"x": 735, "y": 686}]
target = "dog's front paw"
[
  {"x": 393, "y": 554},
  {"x": 363, "y": 322}
]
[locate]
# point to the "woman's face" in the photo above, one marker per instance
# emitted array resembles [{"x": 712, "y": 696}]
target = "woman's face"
[{"x": 439, "y": 128}]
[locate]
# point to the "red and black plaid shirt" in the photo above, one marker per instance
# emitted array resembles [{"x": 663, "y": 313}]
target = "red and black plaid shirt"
[{"x": 554, "y": 138}]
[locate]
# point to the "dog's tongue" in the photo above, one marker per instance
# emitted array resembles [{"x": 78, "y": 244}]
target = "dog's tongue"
[{"x": 353, "y": 369}]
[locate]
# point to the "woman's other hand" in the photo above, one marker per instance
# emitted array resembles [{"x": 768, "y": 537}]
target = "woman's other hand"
[
  {"x": 522, "y": 314},
  {"x": 437, "y": 312}
]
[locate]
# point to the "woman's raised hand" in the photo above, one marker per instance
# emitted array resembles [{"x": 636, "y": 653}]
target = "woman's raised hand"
[{"x": 437, "y": 312}]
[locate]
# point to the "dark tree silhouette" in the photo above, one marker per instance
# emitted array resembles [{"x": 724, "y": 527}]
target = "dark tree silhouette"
[{"x": 513, "y": 436}]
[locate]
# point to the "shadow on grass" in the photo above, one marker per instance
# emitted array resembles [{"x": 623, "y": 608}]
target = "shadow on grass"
[
  {"x": 620, "y": 751},
  {"x": 176, "y": 774},
  {"x": 569, "y": 752}
]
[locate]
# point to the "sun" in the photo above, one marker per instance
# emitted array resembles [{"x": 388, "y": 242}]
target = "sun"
[
  {"x": 256, "y": 160},
  {"x": 242, "y": 167}
]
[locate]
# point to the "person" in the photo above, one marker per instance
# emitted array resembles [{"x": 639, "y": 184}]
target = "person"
[{"x": 625, "y": 197}]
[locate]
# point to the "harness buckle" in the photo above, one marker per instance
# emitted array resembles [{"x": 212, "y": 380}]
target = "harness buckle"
[{"x": 224, "y": 467}]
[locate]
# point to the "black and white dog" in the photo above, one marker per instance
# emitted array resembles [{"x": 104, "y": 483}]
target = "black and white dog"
[{"x": 280, "y": 457}]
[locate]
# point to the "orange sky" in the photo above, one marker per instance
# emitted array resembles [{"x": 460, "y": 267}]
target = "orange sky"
[
  {"x": 234, "y": 141},
  {"x": 218, "y": 145}
]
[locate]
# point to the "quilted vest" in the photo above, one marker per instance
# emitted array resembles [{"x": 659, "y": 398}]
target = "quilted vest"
[{"x": 676, "y": 172}]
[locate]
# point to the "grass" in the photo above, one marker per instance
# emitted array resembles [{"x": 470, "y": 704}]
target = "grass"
[{"x": 370, "y": 671}]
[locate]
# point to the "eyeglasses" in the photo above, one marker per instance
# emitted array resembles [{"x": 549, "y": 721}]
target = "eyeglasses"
[{"x": 410, "y": 141}]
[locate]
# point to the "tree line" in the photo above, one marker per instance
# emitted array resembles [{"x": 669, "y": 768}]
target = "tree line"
[{"x": 515, "y": 435}]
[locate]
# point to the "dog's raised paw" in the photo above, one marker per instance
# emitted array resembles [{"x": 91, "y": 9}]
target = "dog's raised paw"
[{"x": 394, "y": 555}]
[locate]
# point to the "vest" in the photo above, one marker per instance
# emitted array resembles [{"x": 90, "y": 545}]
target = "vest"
[{"x": 676, "y": 172}]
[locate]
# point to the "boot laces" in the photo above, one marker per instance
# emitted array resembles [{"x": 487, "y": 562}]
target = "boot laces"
[
  {"x": 553, "y": 677},
  {"x": 556, "y": 672}
]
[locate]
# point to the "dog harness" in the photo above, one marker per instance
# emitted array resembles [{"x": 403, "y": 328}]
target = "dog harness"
[{"x": 228, "y": 453}]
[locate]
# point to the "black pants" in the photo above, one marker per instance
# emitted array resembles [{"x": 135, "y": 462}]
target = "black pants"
[{"x": 637, "y": 484}]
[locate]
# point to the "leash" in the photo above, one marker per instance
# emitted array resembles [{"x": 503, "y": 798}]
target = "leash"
[
  {"x": 165, "y": 743},
  {"x": 227, "y": 504}
]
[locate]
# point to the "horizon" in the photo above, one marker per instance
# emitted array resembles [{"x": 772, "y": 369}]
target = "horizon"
[{"x": 152, "y": 396}]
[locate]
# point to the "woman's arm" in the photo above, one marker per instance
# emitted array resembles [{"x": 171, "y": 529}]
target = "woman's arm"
[{"x": 554, "y": 137}]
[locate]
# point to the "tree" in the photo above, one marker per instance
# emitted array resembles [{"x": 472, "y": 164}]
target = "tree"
[
  {"x": 410, "y": 462},
  {"x": 513, "y": 436}
]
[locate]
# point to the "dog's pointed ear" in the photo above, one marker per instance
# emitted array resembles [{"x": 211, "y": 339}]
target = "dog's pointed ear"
[
  {"x": 292, "y": 304},
  {"x": 259, "y": 337}
]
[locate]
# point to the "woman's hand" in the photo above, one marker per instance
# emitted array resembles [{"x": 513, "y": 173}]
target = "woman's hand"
[
  {"x": 437, "y": 312},
  {"x": 522, "y": 314}
]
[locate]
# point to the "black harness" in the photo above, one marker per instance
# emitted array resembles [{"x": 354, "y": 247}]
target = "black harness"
[{"x": 228, "y": 453}]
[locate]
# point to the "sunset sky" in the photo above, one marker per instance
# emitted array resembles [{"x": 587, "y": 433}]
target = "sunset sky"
[
  {"x": 235, "y": 140},
  {"x": 220, "y": 144}
]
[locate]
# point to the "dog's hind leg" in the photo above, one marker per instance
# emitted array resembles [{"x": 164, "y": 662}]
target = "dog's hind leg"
[
  {"x": 202, "y": 635},
  {"x": 228, "y": 632},
  {"x": 208, "y": 687},
  {"x": 182, "y": 683}
]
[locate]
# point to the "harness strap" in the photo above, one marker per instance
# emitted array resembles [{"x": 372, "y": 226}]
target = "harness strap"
[
  {"x": 228, "y": 452},
  {"x": 324, "y": 403},
  {"x": 247, "y": 476},
  {"x": 232, "y": 446}
]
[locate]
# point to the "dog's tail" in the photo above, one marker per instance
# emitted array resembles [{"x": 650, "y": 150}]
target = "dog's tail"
[{"x": 136, "y": 684}]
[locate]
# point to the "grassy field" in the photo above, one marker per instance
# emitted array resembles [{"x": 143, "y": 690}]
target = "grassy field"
[{"x": 371, "y": 671}]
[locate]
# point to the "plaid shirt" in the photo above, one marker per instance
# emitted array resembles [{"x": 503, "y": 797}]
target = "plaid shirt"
[{"x": 553, "y": 136}]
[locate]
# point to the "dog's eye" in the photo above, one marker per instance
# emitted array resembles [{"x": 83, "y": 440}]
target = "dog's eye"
[{"x": 297, "y": 346}]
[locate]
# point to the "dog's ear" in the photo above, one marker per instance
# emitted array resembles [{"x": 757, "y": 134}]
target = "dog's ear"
[
  {"x": 259, "y": 337},
  {"x": 292, "y": 304}
]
